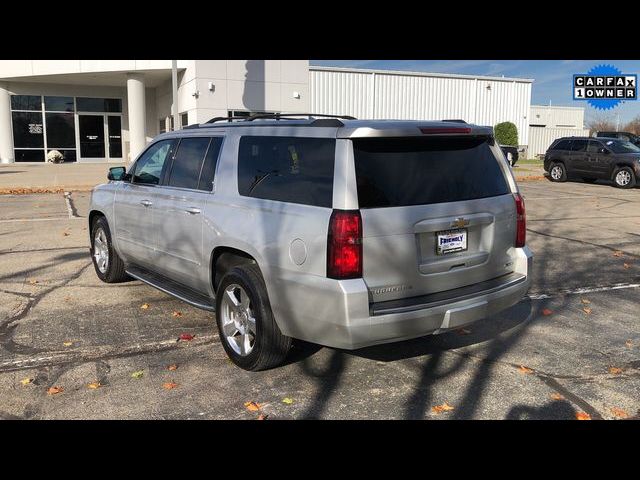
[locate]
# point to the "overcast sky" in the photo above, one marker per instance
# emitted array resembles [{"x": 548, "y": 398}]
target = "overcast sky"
[{"x": 553, "y": 78}]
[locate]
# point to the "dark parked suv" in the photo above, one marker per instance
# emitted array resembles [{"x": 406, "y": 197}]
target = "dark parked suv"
[
  {"x": 592, "y": 159},
  {"x": 635, "y": 139}
]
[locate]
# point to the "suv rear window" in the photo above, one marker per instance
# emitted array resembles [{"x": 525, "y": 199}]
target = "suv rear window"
[
  {"x": 397, "y": 172},
  {"x": 287, "y": 169},
  {"x": 562, "y": 145}
]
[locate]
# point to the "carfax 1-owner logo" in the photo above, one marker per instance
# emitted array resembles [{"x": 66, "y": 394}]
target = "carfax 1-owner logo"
[{"x": 605, "y": 86}]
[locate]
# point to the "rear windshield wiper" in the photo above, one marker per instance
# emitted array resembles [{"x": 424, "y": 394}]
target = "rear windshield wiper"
[{"x": 260, "y": 178}]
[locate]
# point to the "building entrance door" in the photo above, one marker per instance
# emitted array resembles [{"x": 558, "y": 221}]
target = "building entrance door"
[{"x": 100, "y": 136}]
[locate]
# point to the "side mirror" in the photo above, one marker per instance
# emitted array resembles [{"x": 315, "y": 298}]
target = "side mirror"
[
  {"x": 604, "y": 150},
  {"x": 117, "y": 173}
]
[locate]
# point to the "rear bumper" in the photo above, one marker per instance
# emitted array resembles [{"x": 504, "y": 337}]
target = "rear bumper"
[{"x": 338, "y": 313}]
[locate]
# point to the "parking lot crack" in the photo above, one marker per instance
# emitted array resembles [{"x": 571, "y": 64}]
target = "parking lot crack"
[{"x": 8, "y": 326}]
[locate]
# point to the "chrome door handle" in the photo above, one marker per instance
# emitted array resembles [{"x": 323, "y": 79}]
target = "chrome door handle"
[
  {"x": 192, "y": 210},
  {"x": 146, "y": 203}
]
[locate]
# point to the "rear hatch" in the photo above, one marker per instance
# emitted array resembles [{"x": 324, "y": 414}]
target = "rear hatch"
[{"x": 437, "y": 213}]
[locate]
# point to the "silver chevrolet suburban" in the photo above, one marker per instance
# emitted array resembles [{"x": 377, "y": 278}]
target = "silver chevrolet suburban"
[{"x": 341, "y": 232}]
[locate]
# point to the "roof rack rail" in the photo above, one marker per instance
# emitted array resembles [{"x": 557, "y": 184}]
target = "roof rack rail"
[
  {"x": 454, "y": 120},
  {"x": 286, "y": 116},
  {"x": 220, "y": 119}
]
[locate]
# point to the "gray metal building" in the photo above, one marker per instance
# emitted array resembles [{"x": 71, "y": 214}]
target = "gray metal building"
[{"x": 406, "y": 95}]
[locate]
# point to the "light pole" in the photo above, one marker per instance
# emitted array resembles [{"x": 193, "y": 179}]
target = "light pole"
[{"x": 174, "y": 104}]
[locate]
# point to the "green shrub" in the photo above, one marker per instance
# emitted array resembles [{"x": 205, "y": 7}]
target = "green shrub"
[{"x": 506, "y": 134}]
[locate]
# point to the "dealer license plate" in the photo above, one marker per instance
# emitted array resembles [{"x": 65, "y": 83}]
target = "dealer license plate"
[{"x": 451, "y": 241}]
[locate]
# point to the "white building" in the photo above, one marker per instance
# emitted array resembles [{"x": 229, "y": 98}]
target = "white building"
[
  {"x": 107, "y": 110},
  {"x": 548, "y": 123},
  {"x": 421, "y": 96}
]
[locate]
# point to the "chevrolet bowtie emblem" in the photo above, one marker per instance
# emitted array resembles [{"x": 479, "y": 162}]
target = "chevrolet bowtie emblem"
[{"x": 459, "y": 223}]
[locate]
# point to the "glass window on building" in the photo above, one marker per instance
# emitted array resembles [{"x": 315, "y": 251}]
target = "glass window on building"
[
  {"x": 61, "y": 130},
  {"x": 84, "y": 104},
  {"x": 58, "y": 104},
  {"x": 162, "y": 125},
  {"x": 29, "y": 155},
  {"x": 184, "y": 119},
  {"x": 26, "y": 102},
  {"x": 28, "y": 130}
]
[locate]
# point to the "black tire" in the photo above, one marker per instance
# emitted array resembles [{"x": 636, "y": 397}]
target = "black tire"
[
  {"x": 114, "y": 272},
  {"x": 589, "y": 180},
  {"x": 562, "y": 177},
  {"x": 270, "y": 346},
  {"x": 616, "y": 178}
]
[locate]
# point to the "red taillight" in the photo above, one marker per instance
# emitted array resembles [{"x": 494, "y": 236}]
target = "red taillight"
[
  {"x": 344, "y": 246},
  {"x": 441, "y": 130},
  {"x": 521, "y": 221}
]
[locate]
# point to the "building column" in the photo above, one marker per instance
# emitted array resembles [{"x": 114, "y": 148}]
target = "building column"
[
  {"x": 6, "y": 137},
  {"x": 137, "y": 114}
]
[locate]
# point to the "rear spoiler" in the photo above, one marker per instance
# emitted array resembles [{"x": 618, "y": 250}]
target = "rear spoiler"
[{"x": 401, "y": 129}]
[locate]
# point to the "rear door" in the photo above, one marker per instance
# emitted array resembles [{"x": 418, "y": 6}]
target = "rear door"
[
  {"x": 180, "y": 207},
  {"x": 598, "y": 162},
  {"x": 578, "y": 162},
  {"x": 437, "y": 213}
]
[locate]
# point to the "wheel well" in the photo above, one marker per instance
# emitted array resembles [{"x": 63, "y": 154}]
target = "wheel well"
[
  {"x": 93, "y": 216},
  {"x": 224, "y": 259},
  {"x": 620, "y": 165}
]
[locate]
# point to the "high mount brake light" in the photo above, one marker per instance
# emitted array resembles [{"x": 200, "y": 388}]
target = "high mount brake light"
[
  {"x": 441, "y": 130},
  {"x": 344, "y": 245}
]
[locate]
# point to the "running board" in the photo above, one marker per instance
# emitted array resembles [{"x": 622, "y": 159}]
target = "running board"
[{"x": 171, "y": 287}]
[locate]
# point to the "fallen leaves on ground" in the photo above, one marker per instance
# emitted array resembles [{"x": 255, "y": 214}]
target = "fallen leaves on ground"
[
  {"x": 145, "y": 306},
  {"x": 618, "y": 412},
  {"x": 615, "y": 370},
  {"x": 587, "y": 310},
  {"x": 176, "y": 314},
  {"x": 169, "y": 385},
  {"x": 546, "y": 312},
  {"x": 54, "y": 390},
  {"x": 186, "y": 337},
  {"x": 287, "y": 400},
  {"x": 172, "y": 367},
  {"x": 626, "y": 266},
  {"x": 67, "y": 344},
  {"x": 582, "y": 416},
  {"x": 252, "y": 406},
  {"x": 29, "y": 191},
  {"x": 26, "y": 381},
  {"x": 628, "y": 344},
  {"x": 94, "y": 385},
  {"x": 463, "y": 331},
  {"x": 617, "y": 253},
  {"x": 137, "y": 374},
  {"x": 585, "y": 301},
  {"x": 557, "y": 396},
  {"x": 66, "y": 234},
  {"x": 32, "y": 281},
  {"x": 263, "y": 416},
  {"x": 445, "y": 407},
  {"x": 523, "y": 369}
]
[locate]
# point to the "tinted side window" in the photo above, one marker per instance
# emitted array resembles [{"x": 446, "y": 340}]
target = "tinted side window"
[
  {"x": 209, "y": 167},
  {"x": 594, "y": 147},
  {"x": 398, "y": 172},
  {"x": 150, "y": 165},
  {"x": 579, "y": 146},
  {"x": 288, "y": 169},
  {"x": 187, "y": 162},
  {"x": 562, "y": 145}
]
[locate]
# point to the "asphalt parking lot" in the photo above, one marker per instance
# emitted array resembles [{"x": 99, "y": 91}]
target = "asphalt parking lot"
[{"x": 572, "y": 348}]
